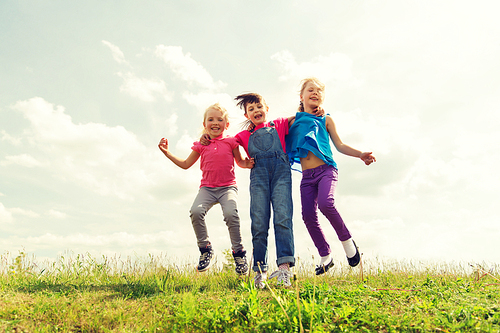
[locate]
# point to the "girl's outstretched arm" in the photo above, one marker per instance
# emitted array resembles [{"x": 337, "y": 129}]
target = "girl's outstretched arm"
[
  {"x": 366, "y": 157},
  {"x": 246, "y": 163},
  {"x": 185, "y": 164}
]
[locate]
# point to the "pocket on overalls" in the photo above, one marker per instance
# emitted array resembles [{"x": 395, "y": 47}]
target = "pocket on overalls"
[{"x": 264, "y": 142}]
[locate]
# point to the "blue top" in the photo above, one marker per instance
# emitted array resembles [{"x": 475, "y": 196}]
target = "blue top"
[{"x": 308, "y": 133}]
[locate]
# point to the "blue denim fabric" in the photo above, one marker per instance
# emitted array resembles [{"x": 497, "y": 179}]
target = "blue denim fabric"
[{"x": 270, "y": 183}]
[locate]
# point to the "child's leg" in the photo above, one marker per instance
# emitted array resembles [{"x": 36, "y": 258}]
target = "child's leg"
[
  {"x": 309, "y": 201},
  {"x": 203, "y": 202},
  {"x": 260, "y": 212},
  {"x": 281, "y": 198},
  {"x": 228, "y": 201},
  {"x": 326, "y": 202}
]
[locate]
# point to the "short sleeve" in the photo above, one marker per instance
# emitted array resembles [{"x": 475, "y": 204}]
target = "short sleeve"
[
  {"x": 233, "y": 142},
  {"x": 197, "y": 146}
]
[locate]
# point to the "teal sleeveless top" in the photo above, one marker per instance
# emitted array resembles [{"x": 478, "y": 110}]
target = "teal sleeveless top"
[{"x": 308, "y": 133}]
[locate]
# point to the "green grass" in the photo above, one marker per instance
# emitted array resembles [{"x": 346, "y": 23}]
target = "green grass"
[{"x": 86, "y": 294}]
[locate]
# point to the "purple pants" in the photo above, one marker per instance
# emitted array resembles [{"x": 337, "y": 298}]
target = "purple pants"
[{"x": 316, "y": 191}]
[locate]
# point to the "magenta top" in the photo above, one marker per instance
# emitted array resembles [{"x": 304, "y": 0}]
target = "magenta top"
[{"x": 217, "y": 161}]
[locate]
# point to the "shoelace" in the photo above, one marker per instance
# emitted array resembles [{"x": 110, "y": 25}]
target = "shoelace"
[
  {"x": 283, "y": 276},
  {"x": 205, "y": 256},
  {"x": 259, "y": 278},
  {"x": 240, "y": 261}
]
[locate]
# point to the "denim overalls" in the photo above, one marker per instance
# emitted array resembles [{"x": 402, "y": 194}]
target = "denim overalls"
[{"x": 270, "y": 182}]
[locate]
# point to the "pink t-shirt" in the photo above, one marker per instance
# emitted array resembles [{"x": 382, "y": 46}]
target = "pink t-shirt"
[
  {"x": 217, "y": 161},
  {"x": 281, "y": 126}
]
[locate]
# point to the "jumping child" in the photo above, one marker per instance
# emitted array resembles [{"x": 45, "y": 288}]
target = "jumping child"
[
  {"x": 270, "y": 183},
  {"x": 218, "y": 184},
  {"x": 308, "y": 143}
]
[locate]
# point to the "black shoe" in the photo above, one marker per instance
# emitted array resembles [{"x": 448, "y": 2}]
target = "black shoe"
[
  {"x": 206, "y": 254},
  {"x": 321, "y": 269},
  {"x": 354, "y": 261},
  {"x": 240, "y": 260}
]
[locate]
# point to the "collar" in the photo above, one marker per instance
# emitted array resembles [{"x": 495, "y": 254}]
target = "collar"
[
  {"x": 220, "y": 137},
  {"x": 267, "y": 123}
]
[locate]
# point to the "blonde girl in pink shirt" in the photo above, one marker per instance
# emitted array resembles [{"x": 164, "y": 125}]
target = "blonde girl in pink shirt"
[{"x": 218, "y": 184}]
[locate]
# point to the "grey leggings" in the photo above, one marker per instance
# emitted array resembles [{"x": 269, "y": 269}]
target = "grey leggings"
[{"x": 209, "y": 196}]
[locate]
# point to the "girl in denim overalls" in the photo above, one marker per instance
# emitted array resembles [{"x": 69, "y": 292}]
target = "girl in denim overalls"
[
  {"x": 270, "y": 183},
  {"x": 309, "y": 144}
]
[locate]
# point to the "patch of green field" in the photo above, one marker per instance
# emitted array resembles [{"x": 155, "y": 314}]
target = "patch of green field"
[{"x": 86, "y": 294}]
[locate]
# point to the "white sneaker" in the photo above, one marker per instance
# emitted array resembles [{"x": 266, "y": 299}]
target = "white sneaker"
[
  {"x": 260, "y": 280},
  {"x": 284, "y": 276}
]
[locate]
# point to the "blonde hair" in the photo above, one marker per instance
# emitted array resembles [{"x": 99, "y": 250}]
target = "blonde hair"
[
  {"x": 216, "y": 107},
  {"x": 304, "y": 83}
]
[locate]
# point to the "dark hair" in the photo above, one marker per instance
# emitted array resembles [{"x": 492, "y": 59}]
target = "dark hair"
[{"x": 243, "y": 101}]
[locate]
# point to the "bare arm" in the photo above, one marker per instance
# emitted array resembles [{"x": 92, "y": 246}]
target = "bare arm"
[
  {"x": 366, "y": 157},
  {"x": 246, "y": 163},
  {"x": 185, "y": 164}
]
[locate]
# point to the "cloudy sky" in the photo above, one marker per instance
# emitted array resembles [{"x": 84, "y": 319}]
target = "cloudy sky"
[{"x": 88, "y": 88}]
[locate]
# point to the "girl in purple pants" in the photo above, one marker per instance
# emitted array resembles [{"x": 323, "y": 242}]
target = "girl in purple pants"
[{"x": 308, "y": 143}]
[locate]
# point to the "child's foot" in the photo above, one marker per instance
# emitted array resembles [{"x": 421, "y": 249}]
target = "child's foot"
[
  {"x": 206, "y": 255},
  {"x": 240, "y": 260},
  {"x": 354, "y": 261},
  {"x": 260, "y": 280},
  {"x": 323, "y": 268},
  {"x": 283, "y": 274}
]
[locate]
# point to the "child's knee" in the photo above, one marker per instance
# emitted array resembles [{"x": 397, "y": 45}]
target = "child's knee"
[
  {"x": 232, "y": 218},
  {"x": 326, "y": 204},
  {"x": 197, "y": 213}
]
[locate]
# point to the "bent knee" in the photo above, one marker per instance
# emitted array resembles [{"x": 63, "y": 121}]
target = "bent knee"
[{"x": 197, "y": 212}]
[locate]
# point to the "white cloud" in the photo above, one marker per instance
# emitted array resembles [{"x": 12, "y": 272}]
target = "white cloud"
[
  {"x": 20, "y": 211},
  {"x": 334, "y": 67},
  {"x": 144, "y": 89},
  {"x": 116, "y": 52},
  {"x": 186, "y": 67},
  {"x": 5, "y": 215},
  {"x": 24, "y": 160},
  {"x": 185, "y": 143},
  {"x": 57, "y": 214},
  {"x": 171, "y": 124},
  {"x": 108, "y": 160},
  {"x": 119, "y": 243},
  {"x": 10, "y": 139}
]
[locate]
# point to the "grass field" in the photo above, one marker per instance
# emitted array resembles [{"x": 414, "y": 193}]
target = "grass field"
[{"x": 82, "y": 293}]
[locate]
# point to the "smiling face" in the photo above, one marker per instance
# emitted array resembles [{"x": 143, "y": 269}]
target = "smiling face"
[
  {"x": 311, "y": 96},
  {"x": 215, "y": 123},
  {"x": 256, "y": 112}
]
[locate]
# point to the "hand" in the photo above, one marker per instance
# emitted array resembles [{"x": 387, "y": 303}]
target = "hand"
[
  {"x": 249, "y": 162},
  {"x": 205, "y": 139},
  {"x": 163, "y": 145},
  {"x": 368, "y": 158}
]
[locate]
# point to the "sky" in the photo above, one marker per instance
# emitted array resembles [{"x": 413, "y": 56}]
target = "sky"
[{"x": 88, "y": 89}]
